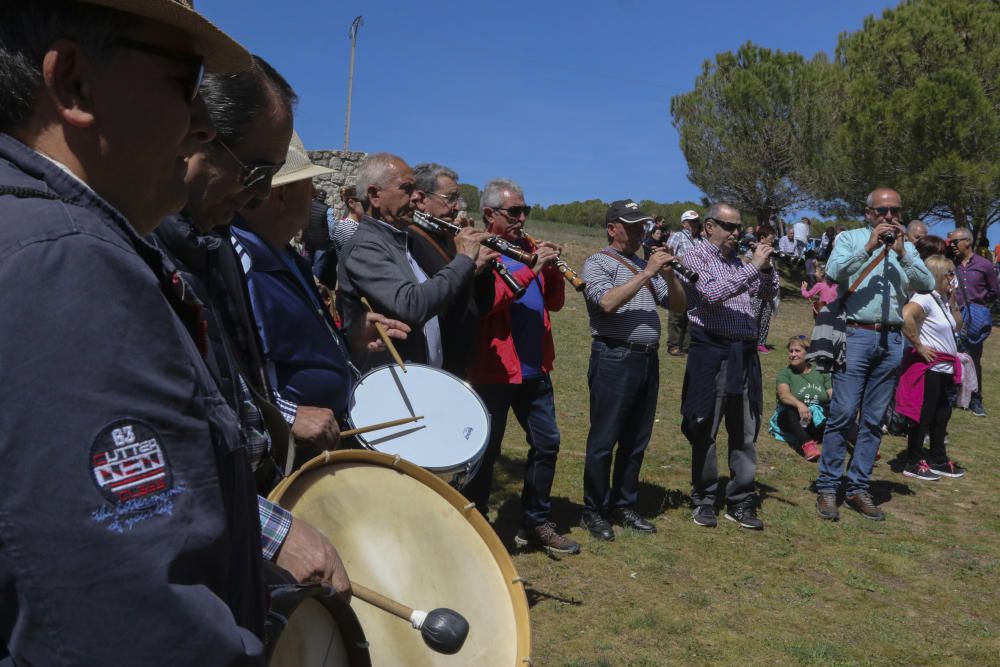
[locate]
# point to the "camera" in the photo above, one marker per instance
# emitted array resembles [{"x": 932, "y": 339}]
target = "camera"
[{"x": 887, "y": 238}]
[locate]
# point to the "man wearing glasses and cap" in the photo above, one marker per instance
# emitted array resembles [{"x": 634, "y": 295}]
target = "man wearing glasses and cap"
[
  {"x": 622, "y": 294},
  {"x": 679, "y": 335},
  {"x": 722, "y": 379},
  {"x": 867, "y": 378},
  {"x": 129, "y": 514}
]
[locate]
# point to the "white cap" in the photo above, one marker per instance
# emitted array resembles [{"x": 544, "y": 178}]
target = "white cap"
[{"x": 690, "y": 215}]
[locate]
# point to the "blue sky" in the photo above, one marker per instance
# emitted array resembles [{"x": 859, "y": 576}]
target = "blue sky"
[{"x": 571, "y": 99}]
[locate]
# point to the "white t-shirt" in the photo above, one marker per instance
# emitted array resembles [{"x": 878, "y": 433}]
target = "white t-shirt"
[
  {"x": 801, "y": 232},
  {"x": 938, "y": 330}
]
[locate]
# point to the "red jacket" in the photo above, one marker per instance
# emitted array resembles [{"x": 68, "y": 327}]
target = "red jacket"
[{"x": 496, "y": 360}]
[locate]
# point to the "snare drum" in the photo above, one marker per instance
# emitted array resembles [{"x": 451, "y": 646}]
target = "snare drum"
[
  {"x": 451, "y": 438},
  {"x": 402, "y": 531}
]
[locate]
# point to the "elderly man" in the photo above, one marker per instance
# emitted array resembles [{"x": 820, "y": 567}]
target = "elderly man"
[
  {"x": 622, "y": 294},
  {"x": 514, "y": 356},
  {"x": 722, "y": 379},
  {"x": 915, "y": 231},
  {"x": 874, "y": 347},
  {"x": 679, "y": 334},
  {"x": 977, "y": 290},
  {"x": 130, "y": 523},
  {"x": 801, "y": 231},
  {"x": 379, "y": 263}
]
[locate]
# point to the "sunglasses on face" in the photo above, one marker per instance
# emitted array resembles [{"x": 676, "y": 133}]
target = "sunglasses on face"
[
  {"x": 728, "y": 226},
  {"x": 883, "y": 211},
  {"x": 253, "y": 175},
  {"x": 515, "y": 212},
  {"x": 195, "y": 62}
]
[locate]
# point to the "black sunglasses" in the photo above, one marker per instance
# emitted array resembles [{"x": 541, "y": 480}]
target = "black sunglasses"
[
  {"x": 515, "y": 212},
  {"x": 253, "y": 174},
  {"x": 728, "y": 226},
  {"x": 886, "y": 210},
  {"x": 196, "y": 62}
]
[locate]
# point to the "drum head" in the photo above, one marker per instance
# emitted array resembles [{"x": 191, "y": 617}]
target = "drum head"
[
  {"x": 455, "y": 427},
  {"x": 321, "y": 632},
  {"x": 404, "y": 533}
]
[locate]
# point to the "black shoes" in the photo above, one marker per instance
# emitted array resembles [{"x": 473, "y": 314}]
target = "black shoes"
[
  {"x": 629, "y": 518},
  {"x": 598, "y": 526},
  {"x": 704, "y": 516},
  {"x": 745, "y": 514}
]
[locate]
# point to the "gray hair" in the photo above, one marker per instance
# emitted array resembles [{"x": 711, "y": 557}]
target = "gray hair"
[
  {"x": 234, "y": 100},
  {"x": 961, "y": 232},
  {"x": 425, "y": 176},
  {"x": 715, "y": 209},
  {"x": 377, "y": 171},
  {"x": 915, "y": 225},
  {"x": 870, "y": 199},
  {"x": 493, "y": 193},
  {"x": 26, "y": 32}
]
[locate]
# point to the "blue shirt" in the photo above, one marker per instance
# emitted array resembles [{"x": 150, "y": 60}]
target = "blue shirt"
[{"x": 527, "y": 324}]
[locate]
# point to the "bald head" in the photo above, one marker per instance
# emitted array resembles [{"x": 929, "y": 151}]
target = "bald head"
[
  {"x": 883, "y": 205},
  {"x": 386, "y": 184},
  {"x": 915, "y": 231}
]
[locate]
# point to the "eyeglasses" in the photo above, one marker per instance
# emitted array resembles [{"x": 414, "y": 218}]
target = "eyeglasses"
[
  {"x": 450, "y": 200},
  {"x": 196, "y": 62},
  {"x": 886, "y": 210},
  {"x": 515, "y": 212},
  {"x": 253, "y": 174},
  {"x": 728, "y": 226}
]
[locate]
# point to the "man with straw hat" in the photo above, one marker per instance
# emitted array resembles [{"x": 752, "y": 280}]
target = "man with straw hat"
[{"x": 129, "y": 511}]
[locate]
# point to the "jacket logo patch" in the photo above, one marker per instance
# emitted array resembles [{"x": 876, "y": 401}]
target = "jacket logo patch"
[{"x": 128, "y": 463}]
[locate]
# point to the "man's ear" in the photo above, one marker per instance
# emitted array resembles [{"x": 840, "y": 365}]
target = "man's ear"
[
  {"x": 67, "y": 76},
  {"x": 373, "y": 197}
]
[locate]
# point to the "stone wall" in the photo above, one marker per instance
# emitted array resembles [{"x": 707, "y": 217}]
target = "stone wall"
[{"x": 345, "y": 166}]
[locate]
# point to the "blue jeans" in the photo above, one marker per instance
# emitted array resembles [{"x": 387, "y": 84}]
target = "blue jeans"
[
  {"x": 623, "y": 390},
  {"x": 534, "y": 406},
  {"x": 867, "y": 381}
]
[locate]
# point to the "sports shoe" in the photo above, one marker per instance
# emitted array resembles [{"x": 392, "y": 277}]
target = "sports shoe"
[
  {"x": 948, "y": 469},
  {"x": 745, "y": 514},
  {"x": 976, "y": 407},
  {"x": 863, "y": 503},
  {"x": 920, "y": 470},
  {"x": 826, "y": 506},
  {"x": 545, "y": 536},
  {"x": 629, "y": 518},
  {"x": 597, "y": 526},
  {"x": 810, "y": 451},
  {"x": 704, "y": 515},
  {"x": 675, "y": 352}
]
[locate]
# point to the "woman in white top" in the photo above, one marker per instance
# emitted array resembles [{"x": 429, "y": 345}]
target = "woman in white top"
[{"x": 929, "y": 323}]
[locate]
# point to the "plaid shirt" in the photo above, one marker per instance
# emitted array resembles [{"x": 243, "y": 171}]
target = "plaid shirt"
[
  {"x": 275, "y": 522},
  {"x": 681, "y": 242},
  {"x": 722, "y": 300}
]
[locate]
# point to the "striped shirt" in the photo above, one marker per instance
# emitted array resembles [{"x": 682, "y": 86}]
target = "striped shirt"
[
  {"x": 680, "y": 242},
  {"x": 722, "y": 300},
  {"x": 636, "y": 321}
]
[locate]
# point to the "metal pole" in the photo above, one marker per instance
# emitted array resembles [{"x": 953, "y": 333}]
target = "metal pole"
[{"x": 353, "y": 34}]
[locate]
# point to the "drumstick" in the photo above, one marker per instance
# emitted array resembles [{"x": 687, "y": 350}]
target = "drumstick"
[
  {"x": 375, "y": 427},
  {"x": 444, "y": 630},
  {"x": 385, "y": 336}
]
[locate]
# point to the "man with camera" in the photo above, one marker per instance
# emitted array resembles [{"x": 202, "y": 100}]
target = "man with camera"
[
  {"x": 867, "y": 378},
  {"x": 977, "y": 289}
]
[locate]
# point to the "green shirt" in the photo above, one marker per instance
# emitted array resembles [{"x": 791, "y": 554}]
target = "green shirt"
[{"x": 809, "y": 387}]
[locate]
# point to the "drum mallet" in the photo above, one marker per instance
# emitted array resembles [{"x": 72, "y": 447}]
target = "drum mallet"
[
  {"x": 444, "y": 630},
  {"x": 385, "y": 337}
]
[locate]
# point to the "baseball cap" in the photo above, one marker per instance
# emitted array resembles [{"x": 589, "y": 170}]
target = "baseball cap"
[
  {"x": 298, "y": 166},
  {"x": 627, "y": 211},
  {"x": 690, "y": 215}
]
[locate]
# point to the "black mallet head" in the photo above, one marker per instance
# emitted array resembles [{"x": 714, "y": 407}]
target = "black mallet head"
[{"x": 444, "y": 630}]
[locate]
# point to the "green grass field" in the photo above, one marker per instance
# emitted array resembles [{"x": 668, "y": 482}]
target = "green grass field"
[{"x": 919, "y": 589}]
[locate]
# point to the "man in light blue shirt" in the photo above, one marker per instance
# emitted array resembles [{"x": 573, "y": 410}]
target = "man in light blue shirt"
[{"x": 874, "y": 347}]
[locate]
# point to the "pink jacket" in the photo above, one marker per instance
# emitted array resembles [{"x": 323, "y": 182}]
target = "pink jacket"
[
  {"x": 910, "y": 391},
  {"x": 826, "y": 292}
]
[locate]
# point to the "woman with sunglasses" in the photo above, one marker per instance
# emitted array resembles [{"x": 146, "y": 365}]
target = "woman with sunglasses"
[
  {"x": 930, "y": 372},
  {"x": 803, "y": 401}
]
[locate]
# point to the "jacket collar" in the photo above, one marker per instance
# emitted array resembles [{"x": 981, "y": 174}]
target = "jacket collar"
[{"x": 264, "y": 257}]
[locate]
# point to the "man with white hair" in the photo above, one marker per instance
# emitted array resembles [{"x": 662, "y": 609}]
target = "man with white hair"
[{"x": 915, "y": 231}]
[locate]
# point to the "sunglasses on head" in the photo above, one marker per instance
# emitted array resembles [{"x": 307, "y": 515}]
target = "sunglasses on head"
[
  {"x": 195, "y": 62},
  {"x": 515, "y": 212},
  {"x": 886, "y": 210},
  {"x": 253, "y": 174}
]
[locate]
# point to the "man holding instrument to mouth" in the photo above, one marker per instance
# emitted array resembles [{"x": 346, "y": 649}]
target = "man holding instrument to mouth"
[{"x": 514, "y": 356}]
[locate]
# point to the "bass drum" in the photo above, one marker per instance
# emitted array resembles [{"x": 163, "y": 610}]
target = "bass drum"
[
  {"x": 405, "y": 533},
  {"x": 309, "y": 626},
  {"x": 451, "y": 438}
]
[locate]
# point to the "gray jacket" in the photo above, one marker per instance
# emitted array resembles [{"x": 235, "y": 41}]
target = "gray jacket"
[{"x": 374, "y": 265}]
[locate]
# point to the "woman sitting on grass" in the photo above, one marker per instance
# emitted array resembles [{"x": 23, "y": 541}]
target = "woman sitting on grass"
[
  {"x": 803, "y": 401},
  {"x": 823, "y": 292},
  {"x": 930, "y": 372}
]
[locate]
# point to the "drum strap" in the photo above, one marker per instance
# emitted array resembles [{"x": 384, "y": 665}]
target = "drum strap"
[{"x": 427, "y": 237}]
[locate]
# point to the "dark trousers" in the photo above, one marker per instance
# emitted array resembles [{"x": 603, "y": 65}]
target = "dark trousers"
[
  {"x": 788, "y": 420},
  {"x": 976, "y": 352},
  {"x": 678, "y": 330},
  {"x": 534, "y": 407},
  {"x": 935, "y": 413},
  {"x": 623, "y": 390}
]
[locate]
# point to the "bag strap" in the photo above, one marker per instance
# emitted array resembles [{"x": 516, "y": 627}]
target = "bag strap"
[
  {"x": 947, "y": 317},
  {"x": 427, "y": 237},
  {"x": 618, "y": 258}
]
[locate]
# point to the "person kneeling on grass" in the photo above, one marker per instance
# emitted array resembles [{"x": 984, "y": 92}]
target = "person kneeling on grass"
[
  {"x": 930, "y": 373},
  {"x": 803, "y": 401}
]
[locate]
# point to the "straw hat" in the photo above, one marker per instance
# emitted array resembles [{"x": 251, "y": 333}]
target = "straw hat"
[
  {"x": 298, "y": 166},
  {"x": 221, "y": 52}
]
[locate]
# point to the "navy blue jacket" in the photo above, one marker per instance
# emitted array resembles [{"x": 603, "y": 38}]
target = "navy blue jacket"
[
  {"x": 306, "y": 356},
  {"x": 128, "y": 531}
]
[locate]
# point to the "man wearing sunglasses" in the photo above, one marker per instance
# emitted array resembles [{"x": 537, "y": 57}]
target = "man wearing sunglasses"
[
  {"x": 722, "y": 379},
  {"x": 867, "y": 379},
  {"x": 130, "y": 519}
]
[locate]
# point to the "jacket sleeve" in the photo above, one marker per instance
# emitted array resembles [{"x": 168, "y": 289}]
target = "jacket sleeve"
[
  {"x": 375, "y": 272},
  {"x": 113, "y": 531}
]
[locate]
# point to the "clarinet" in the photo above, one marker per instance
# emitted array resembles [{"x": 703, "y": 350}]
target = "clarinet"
[
  {"x": 501, "y": 270},
  {"x": 569, "y": 274},
  {"x": 502, "y": 246}
]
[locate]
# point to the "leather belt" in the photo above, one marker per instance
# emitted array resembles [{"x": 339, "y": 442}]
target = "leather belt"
[
  {"x": 632, "y": 347},
  {"x": 874, "y": 327}
]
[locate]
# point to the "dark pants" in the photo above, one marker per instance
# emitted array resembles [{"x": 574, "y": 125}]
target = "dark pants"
[
  {"x": 934, "y": 416},
  {"x": 742, "y": 426},
  {"x": 678, "y": 330},
  {"x": 976, "y": 352},
  {"x": 534, "y": 406},
  {"x": 623, "y": 390},
  {"x": 788, "y": 420}
]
